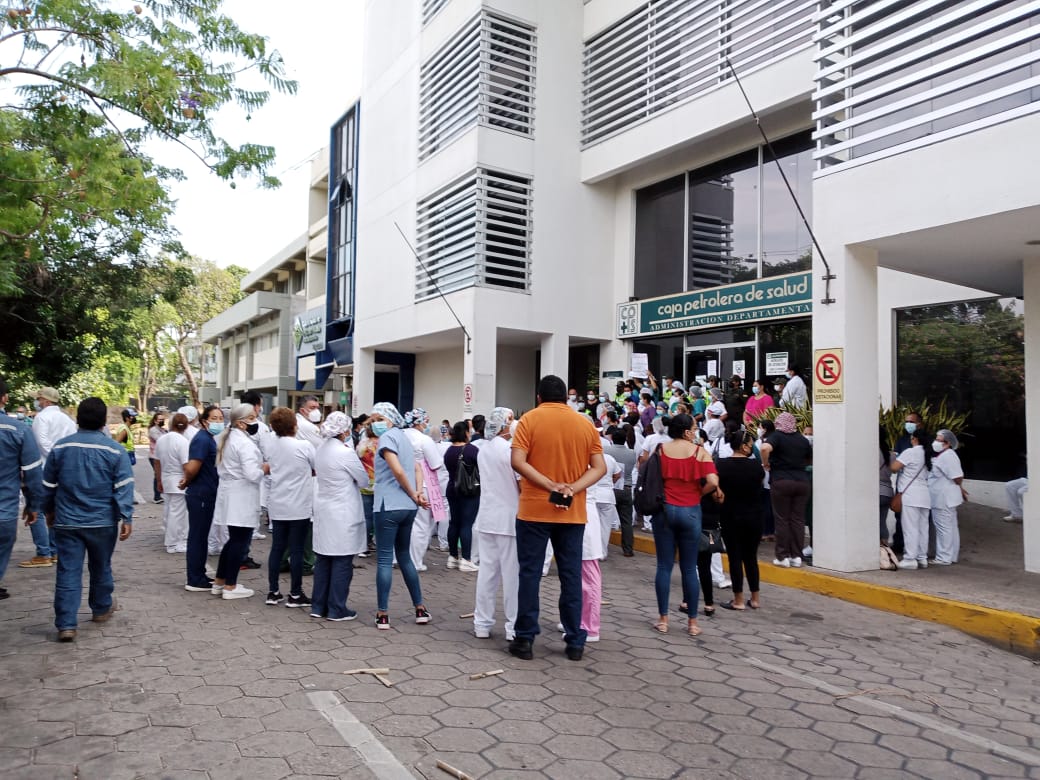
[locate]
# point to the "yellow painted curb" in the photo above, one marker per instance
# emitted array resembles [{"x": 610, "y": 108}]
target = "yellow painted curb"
[{"x": 1010, "y": 630}]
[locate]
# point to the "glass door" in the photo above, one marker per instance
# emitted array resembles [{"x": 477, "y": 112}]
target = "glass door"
[{"x": 722, "y": 361}]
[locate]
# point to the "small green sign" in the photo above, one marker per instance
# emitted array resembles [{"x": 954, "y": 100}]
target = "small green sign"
[{"x": 743, "y": 303}]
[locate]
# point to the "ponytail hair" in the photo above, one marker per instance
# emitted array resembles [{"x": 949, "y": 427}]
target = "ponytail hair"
[{"x": 239, "y": 412}]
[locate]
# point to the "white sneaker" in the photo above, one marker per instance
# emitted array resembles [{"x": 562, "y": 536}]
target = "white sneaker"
[
  {"x": 785, "y": 563},
  {"x": 453, "y": 563},
  {"x": 648, "y": 527},
  {"x": 239, "y": 592},
  {"x": 421, "y": 567},
  {"x": 796, "y": 563},
  {"x": 592, "y": 638},
  {"x": 807, "y": 552},
  {"x": 443, "y": 547},
  {"x": 510, "y": 636},
  {"x": 725, "y": 582},
  {"x": 258, "y": 535},
  {"x": 937, "y": 562},
  {"x": 181, "y": 548},
  {"x": 216, "y": 590},
  {"x": 465, "y": 565},
  {"x": 171, "y": 550},
  {"x": 907, "y": 564},
  {"x": 560, "y": 628},
  {"x": 482, "y": 633},
  {"x": 1011, "y": 519},
  {"x": 214, "y": 552},
  {"x": 922, "y": 564}
]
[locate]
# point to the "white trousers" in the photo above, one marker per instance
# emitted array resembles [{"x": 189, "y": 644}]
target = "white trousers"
[
  {"x": 422, "y": 530},
  {"x": 607, "y": 518},
  {"x": 717, "y": 574},
  {"x": 218, "y": 536},
  {"x": 442, "y": 533},
  {"x": 947, "y": 534},
  {"x": 915, "y": 533},
  {"x": 175, "y": 520},
  {"x": 1015, "y": 489},
  {"x": 499, "y": 566}
]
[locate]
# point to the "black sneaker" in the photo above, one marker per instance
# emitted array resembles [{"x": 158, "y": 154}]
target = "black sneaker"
[
  {"x": 249, "y": 563},
  {"x": 575, "y": 653},
  {"x": 303, "y": 600},
  {"x": 422, "y": 615},
  {"x": 383, "y": 622},
  {"x": 522, "y": 649},
  {"x": 274, "y": 597}
]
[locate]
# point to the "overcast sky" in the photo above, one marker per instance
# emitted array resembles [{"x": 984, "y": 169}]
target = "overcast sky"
[{"x": 320, "y": 41}]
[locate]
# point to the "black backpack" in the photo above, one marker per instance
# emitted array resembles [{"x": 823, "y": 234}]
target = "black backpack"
[
  {"x": 648, "y": 496},
  {"x": 467, "y": 479}
]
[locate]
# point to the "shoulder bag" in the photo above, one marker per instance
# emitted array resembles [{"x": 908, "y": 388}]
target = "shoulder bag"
[
  {"x": 467, "y": 478},
  {"x": 897, "y": 500},
  {"x": 648, "y": 495}
]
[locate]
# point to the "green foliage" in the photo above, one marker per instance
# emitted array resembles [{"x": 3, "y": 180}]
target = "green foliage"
[
  {"x": 803, "y": 415},
  {"x": 83, "y": 209},
  {"x": 934, "y": 419}
]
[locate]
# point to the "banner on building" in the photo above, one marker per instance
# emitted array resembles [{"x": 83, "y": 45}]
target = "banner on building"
[
  {"x": 309, "y": 332},
  {"x": 743, "y": 303}
]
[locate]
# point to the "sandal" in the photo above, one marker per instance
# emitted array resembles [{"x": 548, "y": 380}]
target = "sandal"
[
  {"x": 693, "y": 629},
  {"x": 710, "y": 611},
  {"x": 753, "y": 604},
  {"x": 731, "y": 605},
  {"x": 661, "y": 626}
]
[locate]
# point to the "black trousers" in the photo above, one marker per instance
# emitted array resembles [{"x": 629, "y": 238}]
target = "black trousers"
[
  {"x": 623, "y": 504},
  {"x": 742, "y": 536}
]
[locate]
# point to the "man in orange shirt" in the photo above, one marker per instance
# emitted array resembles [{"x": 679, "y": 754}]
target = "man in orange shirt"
[{"x": 557, "y": 453}]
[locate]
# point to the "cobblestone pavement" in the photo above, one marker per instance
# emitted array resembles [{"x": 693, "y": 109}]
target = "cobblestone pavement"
[{"x": 183, "y": 685}]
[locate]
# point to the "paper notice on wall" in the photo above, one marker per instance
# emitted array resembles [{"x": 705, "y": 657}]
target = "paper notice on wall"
[
  {"x": 713, "y": 368},
  {"x": 640, "y": 365},
  {"x": 738, "y": 369},
  {"x": 776, "y": 363}
]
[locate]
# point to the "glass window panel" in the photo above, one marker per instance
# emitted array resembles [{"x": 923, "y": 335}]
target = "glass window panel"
[
  {"x": 786, "y": 243},
  {"x": 731, "y": 336},
  {"x": 724, "y": 222},
  {"x": 659, "y": 238},
  {"x": 793, "y": 338}
]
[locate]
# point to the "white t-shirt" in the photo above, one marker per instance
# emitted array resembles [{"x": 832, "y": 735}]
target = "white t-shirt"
[
  {"x": 910, "y": 481},
  {"x": 652, "y": 442},
  {"x": 499, "y": 490},
  {"x": 172, "y": 453},
  {"x": 603, "y": 490},
  {"x": 291, "y": 495}
]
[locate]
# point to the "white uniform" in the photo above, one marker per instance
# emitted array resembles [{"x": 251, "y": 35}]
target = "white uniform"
[
  {"x": 603, "y": 493},
  {"x": 794, "y": 393},
  {"x": 946, "y": 497},
  {"x": 339, "y": 517},
  {"x": 442, "y": 476},
  {"x": 238, "y": 496},
  {"x": 172, "y": 453},
  {"x": 307, "y": 431},
  {"x": 50, "y": 426},
  {"x": 912, "y": 482},
  {"x": 496, "y": 521},
  {"x": 426, "y": 451},
  {"x": 292, "y": 481}
]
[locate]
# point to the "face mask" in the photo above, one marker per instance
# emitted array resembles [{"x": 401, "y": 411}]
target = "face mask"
[
  {"x": 756, "y": 389},
  {"x": 808, "y": 437},
  {"x": 573, "y": 396},
  {"x": 910, "y": 427},
  {"x": 603, "y": 398},
  {"x": 761, "y": 433},
  {"x": 215, "y": 428},
  {"x": 937, "y": 446},
  {"x": 36, "y": 405},
  {"x": 379, "y": 428},
  {"x": 252, "y": 428},
  {"x": 778, "y": 388},
  {"x": 591, "y": 397},
  {"x": 161, "y": 424},
  {"x": 314, "y": 415},
  {"x": 790, "y": 374},
  {"x": 20, "y": 415}
]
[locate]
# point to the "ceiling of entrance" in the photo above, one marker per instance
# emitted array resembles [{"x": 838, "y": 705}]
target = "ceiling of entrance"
[{"x": 985, "y": 253}]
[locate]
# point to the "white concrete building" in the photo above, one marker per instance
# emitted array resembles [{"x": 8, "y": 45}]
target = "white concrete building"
[
  {"x": 583, "y": 181},
  {"x": 256, "y": 339}
]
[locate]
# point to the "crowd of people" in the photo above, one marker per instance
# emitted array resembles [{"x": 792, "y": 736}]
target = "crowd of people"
[{"x": 504, "y": 497}]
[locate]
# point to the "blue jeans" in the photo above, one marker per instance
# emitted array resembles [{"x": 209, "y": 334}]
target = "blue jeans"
[
  {"x": 289, "y": 535},
  {"x": 531, "y": 539},
  {"x": 41, "y": 536},
  {"x": 200, "y": 518},
  {"x": 460, "y": 526},
  {"x": 235, "y": 551},
  {"x": 8, "y": 533},
  {"x": 394, "y": 536},
  {"x": 332, "y": 578},
  {"x": 677, "y": 528},
  {"x": 368, "y": 501},
  {"x": 72, "y": 543}
]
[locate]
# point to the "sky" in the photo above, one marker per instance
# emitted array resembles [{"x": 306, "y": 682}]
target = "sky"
[{"x": 320, "y": 42}]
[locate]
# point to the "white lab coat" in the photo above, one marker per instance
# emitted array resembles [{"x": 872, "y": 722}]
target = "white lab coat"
[
  {"x": 499, "y": 490},
  {"x": 307, "y": 431},
  {"x": 240, "y": 470},
  {"x": 794, "y": 393},
  {"x": 172, "y": 453},
  {"x": 910, "y": 481},
  {"x": 339, "y": 518},
  {"x": 291, "y": 494}
]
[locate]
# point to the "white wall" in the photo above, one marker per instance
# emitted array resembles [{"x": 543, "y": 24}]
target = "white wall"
[
  {"x": 438, "y": 384},
  {"x": 515, "y": 380}
]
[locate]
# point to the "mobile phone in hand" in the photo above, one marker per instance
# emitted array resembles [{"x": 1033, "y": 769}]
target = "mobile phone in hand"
[{"x": 559, "y": 499}]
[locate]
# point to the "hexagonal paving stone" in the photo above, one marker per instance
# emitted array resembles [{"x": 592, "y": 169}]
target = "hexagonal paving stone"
[
  {"x": 210, "y": 694},
  {"x": 253, "y": 768},
  {"x": 273, "y": 743},
  {"x": 635, "y": 739},
  {"x": 120, "y": 765},
  {"x": 460, "y": 740},
  {"x": 512, "y": 755},
  {"x": 466, "y": 717},
  {"x": 569, "y": 746},
  {"x": 26, "y": 734},
  {"x": 406, "y": 725},
  {"x": 75, "y": 750},
  {"x": 327, "y": 761},
  {"x": 525, "y": 731},
  {"x": 649, "y": 765}
]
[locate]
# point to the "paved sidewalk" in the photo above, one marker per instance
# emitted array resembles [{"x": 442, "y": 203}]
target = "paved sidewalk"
[{"x": 183, "y": 685}]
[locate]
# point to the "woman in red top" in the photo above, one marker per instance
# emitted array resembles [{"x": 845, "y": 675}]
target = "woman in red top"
[{"x": 688, "y": 473}]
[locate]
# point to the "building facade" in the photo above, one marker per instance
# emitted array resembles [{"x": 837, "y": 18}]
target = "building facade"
[{"x": 554, "y": 187}]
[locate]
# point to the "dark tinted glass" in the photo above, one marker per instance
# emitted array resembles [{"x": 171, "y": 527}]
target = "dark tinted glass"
[{"x": 659, "y": 238}]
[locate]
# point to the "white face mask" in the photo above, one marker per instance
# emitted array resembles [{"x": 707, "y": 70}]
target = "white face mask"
[
  {"x": 778, "y": 388},
  {"x": 314, "y": 415},
  {"x": 938, "y": 446},
  {"x": 573, "y": 396}
]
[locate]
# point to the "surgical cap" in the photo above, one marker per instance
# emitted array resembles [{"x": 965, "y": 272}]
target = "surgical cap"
[
  {"x": 336, "y": 424},
  {"x": 497, "y": 421},
  {"x": 389, "y": 411}
]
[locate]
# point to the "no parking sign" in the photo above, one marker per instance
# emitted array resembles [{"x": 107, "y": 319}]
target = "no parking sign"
[{"x": 829, "y": 376}]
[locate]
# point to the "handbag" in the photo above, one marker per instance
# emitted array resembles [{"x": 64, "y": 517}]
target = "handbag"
[
  {"x": 467, "y": 479},
  {"x": 711, "y": 541},
  {"x": 648, "y": 494},
  {"x": 887, "y": 559},
  {"x": 896, "y": 505}
]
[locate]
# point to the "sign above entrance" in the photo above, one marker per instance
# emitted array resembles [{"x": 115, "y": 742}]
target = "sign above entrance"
[
  {"x": 829, "y": 373},
  {"x": 759, "y": 300},
  {"x": 309, "y": 332}
]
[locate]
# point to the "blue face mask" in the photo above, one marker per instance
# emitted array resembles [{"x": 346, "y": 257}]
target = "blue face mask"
[
  {"x": 380, "y": 427},
  {"x": 216, "y": 428},
  {"x": 756, "y": 389},
  {"x": 910, "y": 427}
]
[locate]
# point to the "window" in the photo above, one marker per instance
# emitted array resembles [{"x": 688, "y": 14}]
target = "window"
[
  {"x": 483, "y": 75},
  {"x": 668, "y": 52},
  {"x": 476, "y": 231},
  {"x": 342, "y": 221}
]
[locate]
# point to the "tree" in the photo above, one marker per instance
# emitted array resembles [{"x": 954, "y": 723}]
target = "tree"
[{"x": 83, "y": 208}]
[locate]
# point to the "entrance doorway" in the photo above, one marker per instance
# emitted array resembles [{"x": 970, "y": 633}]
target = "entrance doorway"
[{"x": 723, "y": 361}]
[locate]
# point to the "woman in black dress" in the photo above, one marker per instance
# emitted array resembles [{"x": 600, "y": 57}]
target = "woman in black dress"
[{"x": 740, "y": 479}]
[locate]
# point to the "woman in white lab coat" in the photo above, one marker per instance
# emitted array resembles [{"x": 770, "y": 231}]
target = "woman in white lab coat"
[
  {"x": 339, "y": 519},
  {"x": 912, "y": 467},
  {"x": 947, "y": 493},
  {"x": 238, "y": 498}
]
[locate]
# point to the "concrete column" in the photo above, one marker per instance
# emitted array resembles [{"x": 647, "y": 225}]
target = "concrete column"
[
  {"x": 845, "y": 457},
  {"x": 478, "y": 371},
  {"x": 614, "y": 356},
  {"x": 1031, "y": 508},
  {"x": 556, "y": 349},
  {"x": 364, "y": 381}
]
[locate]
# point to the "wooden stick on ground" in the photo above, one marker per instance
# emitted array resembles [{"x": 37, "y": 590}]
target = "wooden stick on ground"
[
  {"x": 482, "y": 675},
  {"x": 458, "y": 774},
  {"x": 367, "y": 671},
  {"x": 463, "y": 617},
  {"x": 385, "y": 680}
]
